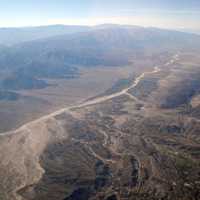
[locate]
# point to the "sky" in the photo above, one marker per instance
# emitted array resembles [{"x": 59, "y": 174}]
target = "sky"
[{"x": 179, "y": 14}]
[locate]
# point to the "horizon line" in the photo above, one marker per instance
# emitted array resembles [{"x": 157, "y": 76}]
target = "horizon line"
[{"x": 181, "y": 29}]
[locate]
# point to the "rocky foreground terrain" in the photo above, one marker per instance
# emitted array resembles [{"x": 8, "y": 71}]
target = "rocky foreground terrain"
[{"x": 139, "y": 143}]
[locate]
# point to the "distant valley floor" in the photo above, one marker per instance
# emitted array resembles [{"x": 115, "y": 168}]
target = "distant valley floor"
[{"x": 138, "y": 142}]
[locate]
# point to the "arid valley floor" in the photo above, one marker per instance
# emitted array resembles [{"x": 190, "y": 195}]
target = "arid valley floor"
[{"x": 138, "y": 141}]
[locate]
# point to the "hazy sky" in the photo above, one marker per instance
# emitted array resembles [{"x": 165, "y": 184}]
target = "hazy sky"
[{"x": 160, "y": 13}]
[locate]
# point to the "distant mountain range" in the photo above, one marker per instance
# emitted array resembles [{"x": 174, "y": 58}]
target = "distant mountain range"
[{"x": 11, "y": 36}]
